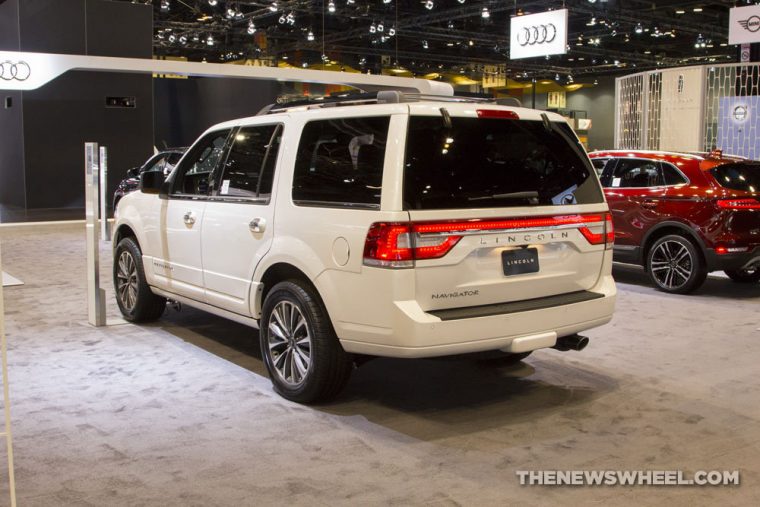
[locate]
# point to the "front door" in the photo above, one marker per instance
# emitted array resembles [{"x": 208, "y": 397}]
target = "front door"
[
  {"x": 239, "y": 219},
  {"x": 177, "y": 268}
]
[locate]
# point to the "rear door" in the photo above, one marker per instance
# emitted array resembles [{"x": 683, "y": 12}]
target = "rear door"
[
  {"x": 503, "y": 208},
  {"x": 239, "y": 217}
]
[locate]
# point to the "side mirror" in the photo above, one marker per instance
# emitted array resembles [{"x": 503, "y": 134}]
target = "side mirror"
[
  {"x": 151, "y": 182},
  {"x": 133, "y": 172}
]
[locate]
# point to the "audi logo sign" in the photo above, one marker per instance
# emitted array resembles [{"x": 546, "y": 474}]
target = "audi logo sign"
[
  {"x": 744, "y": 25},
  {"x": 539, "y": 34},
  {"x": 14, "y": 71}
]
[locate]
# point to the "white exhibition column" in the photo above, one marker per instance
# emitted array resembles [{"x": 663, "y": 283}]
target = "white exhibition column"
[
  {"x": 6, "y": 397},
  {"x": 103, "y": 183},
  {"x": 96, "y": 297}
]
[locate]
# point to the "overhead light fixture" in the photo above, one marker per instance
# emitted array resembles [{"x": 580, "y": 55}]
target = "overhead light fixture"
[
  {"x": 461, "y": 1},
  {"x": 350, "y": 2},
  {"x": 372, "y": 28},
  {"x": 592, "y": 21},
  {"x": 291, "y": 18},
  {"x": 387, "y": 1},
  {"x": 251, "y": 28},
  {"x": 392, "y": 31},
  {"x": 556, "y": 77},
  {"x": 172, "y": 38},
  {"x": 680, "y": 11},
  {"x": 485, "y": 13},
  {"x": 273, "y": 7},
  {"x": 183, "y": 39},
  {"x": 331, "y": 6},
  {"x": 380, "y": 27},
  {"x": 213, "y": 3},
  {"x": 639, "y": 29},
  {"x": 697, "y": 9},
  {"x": 424, "y": 44},
  {"x": 310, "y": 36},
  {"x": 429, "y": 4},
  {"x": 210, "y": 40},
  {"x": 282, "y": 19},
  {"x": 165, "y": 6}
]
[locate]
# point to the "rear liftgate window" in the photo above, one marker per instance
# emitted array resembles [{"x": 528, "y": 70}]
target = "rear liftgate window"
[
  {"x": 488, "y": 163},
  {"x": 340, "y": 162}
]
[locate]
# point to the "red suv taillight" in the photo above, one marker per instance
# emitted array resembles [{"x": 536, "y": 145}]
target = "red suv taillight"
[
  {"x": 738, "y": 204},
  {"x": 399, "y": 244}
]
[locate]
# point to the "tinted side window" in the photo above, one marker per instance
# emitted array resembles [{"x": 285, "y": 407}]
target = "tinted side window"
[
  {"x": 251, "y": 148},
  {"x": 671, "y": 175},
  {"x": 636, "y": 173},
  {"x": 155, "y": 164},
  {"x": 195, "y": 174},
  {"x": 340, "y": 161},
  {"x": 599, "y": 164}
]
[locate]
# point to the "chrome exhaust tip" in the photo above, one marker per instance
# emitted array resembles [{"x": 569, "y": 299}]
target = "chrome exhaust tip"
[{"x": 572, "y": 342}]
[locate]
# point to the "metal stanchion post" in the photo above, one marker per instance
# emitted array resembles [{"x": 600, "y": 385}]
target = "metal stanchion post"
[
  {"x": 6, "y": 397},
  {"x": 96, "y": 297},
  {"x": 104, "y": 226}
]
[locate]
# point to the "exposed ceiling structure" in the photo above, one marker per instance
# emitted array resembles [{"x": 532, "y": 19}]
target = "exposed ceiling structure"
[{"x": 447, "y": 36}]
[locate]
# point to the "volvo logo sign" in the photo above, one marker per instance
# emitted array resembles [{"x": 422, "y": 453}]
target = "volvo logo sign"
[
  {"x": 536, "y": 35},
  {"x": 14, "y": 71},
  {"x": 751, "y": 24},
  {"x": 540, "y": 34},
  {"x": 740, "y": 113}
]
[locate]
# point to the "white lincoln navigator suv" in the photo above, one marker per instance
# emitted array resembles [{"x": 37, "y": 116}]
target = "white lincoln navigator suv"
[{"x": 382, "y": 225}]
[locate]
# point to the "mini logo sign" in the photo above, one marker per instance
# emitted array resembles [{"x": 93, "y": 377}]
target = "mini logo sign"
[
  {"x": 537, "y": 34},
  {"x": 751, "y": 24},
  {"x": 680, "y": 83},
  {"x": 740, "y": 113},
  {"x": 14, "y": 71}
]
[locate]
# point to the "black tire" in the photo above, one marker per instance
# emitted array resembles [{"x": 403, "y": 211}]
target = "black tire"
[
  {"x": 297, "y": 334},
  {"x": 751, "y": 275},
  {"x": 136, "y": 303},
  {"x": 675, "y": 265}
]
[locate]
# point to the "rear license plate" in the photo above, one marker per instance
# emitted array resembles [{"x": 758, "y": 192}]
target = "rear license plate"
[{"x": 520, "y": 261}]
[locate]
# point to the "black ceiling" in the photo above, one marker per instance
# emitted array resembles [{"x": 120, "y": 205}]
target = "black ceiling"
[{"x": 451, "y": 36}]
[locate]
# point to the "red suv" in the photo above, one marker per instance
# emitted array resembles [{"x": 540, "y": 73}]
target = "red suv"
[{"x": 683, "y": 215}]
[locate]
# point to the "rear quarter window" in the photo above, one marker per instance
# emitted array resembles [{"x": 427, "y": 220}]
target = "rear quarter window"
[
  {"x": 485, "y": 163},
  {"x": 743, "y": 176},
  {"x": 340, "y": 162}
]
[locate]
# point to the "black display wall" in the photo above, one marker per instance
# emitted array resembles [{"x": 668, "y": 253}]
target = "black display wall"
[
  {"x": 44, "y": 130},
  {"x": 184, "y": 108}
]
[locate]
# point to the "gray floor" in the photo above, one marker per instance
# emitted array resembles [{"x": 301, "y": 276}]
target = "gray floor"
[{"x": 179, "y": 413}]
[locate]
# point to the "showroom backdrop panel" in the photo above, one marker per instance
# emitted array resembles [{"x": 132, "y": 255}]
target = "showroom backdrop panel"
[{"x": 690, "y": 109}]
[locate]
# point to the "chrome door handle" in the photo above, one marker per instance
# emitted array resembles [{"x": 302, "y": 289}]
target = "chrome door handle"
[
  {"x": 649, "y": 204},
  {"x": 189, "y": 219},
  {"x": 258, "y": 225}
]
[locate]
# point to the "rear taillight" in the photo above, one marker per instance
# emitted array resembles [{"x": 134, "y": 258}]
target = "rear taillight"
[
  {"x": 604, "y": 233},
  {"x": 738, "y": 203},
  {"x": 397, "y": 245},
  {"x": 497, "y": 113}
]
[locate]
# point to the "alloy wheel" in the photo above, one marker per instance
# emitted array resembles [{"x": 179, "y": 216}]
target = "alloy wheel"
[
  {"x": 289, "y": 342},
  {"x": 671, "y": 264},
  {"x": 126, "y": 280}
]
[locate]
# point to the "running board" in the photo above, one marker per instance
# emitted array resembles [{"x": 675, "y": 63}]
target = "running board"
[{"x": 248, "y": 321}]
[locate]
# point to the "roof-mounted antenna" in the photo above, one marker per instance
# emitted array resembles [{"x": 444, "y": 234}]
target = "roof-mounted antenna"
[{"x": 446, "y": 118}]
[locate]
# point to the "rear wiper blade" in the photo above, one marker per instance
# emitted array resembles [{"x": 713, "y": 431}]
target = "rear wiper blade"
[{"x": 530, "y": 194}]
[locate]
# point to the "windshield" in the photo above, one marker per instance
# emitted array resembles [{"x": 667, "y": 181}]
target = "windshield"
[
  {"x": 742, "y": 176},
  {"x": 486, "y": 163}
]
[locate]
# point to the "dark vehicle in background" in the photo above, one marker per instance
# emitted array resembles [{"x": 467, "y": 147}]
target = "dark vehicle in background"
[
  {"x": 682, "y": 215},
  {"x": 163, "y": 161}
]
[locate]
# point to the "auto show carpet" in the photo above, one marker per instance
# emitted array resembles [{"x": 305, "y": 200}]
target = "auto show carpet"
[{"x": 180, "y": 413}]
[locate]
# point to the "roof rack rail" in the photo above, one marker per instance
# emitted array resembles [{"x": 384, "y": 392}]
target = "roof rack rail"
[{"x": 380, "y": 97}]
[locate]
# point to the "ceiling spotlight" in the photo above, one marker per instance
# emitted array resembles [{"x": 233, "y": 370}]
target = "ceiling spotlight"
[
  {"x": 304, "y": 65},
  {"x": 372, "y": 28},
  {"x": 556, "y": 77},
  {"x": 429, "y": 4},
  {"x": 183, "y": 39},
  {"x": 380, "y": 27},
  {"x": 210, "y": 40},
  {"x": 424, "y": 44},
  {"x": 291, "y": 18},
  {"x": 461, "y": 1},
  {"x": 701, "y": 42},
  {"x": 350, "y": 2},
  {"x": 172, "y": 38},
  {"x": 230, "y": 12},
  {"x": 325, "y": 59},
  {"x": 331, "y": 6},
  {"x": 310, "y": 36},
  {"x": 213, "y": 3},
  {"x": 570, "y": 77},
  {"x": 450, "y": 25},
  {"x": 165, "y": 6},
  {"x": 387, "y": 1},
  {"x": 282, "y": 19},
  {"x": 251, "y": 28},
  {"x": 392, "y": 31},
  {"x": 592, "y": 21},
  {"x": 273, "y": 7},
  {"x": 592, "y": 1},
  {"x": 485, "y": 13},
  {"x": 639, "y": 28}
]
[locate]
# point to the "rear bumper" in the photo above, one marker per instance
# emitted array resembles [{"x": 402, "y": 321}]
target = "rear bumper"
[
  {"x": 731, "y": 261},
  {"x": 416, "y": 333}
]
